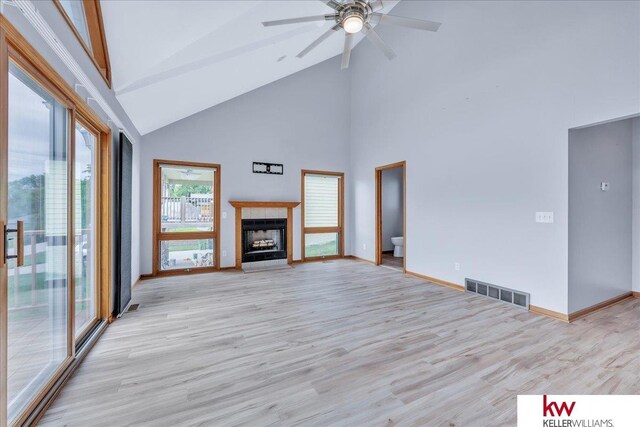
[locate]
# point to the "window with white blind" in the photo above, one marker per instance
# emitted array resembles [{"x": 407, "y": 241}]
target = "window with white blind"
[{"x": 322, "y": 196}]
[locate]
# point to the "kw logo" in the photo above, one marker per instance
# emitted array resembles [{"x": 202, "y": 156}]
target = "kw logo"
[{"x": 548, "y": 408}]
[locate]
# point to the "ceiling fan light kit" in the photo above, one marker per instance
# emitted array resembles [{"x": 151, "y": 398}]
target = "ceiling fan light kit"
[{"x": 354, "y": 16}]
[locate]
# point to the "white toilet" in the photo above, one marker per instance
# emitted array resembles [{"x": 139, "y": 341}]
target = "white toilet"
[{"x": 398, "y": 246}]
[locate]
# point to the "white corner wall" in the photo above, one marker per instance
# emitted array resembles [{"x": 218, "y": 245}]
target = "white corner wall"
[
  {"x": 600, "y": 222},
  {"x": 392, "y": 206},
  {"x": 481, "y": 111},
  {"x": 301, "y": 121}
]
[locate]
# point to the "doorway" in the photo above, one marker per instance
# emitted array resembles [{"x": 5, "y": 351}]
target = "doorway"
[{"x": 391, "y": 216}]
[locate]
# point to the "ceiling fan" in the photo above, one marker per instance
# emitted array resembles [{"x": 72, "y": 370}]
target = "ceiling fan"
[{"x": 354, "y": 16}]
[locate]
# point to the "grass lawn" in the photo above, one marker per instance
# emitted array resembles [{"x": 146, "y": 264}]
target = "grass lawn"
[{"x": 322, "y": 249}]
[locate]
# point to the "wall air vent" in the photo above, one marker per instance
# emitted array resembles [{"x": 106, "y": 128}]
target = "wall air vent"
[{"x": 511, "y": 296}]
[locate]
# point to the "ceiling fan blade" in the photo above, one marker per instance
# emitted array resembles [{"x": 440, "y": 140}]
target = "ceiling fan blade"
[
  {"x": 333, "y": 4},
  {"x": 401, "y": 21},
  {"x": 298, "y": 20},
  {"x": 346, "y": 54},
  {"x": 319, "y": 40},
  {"x": 377, "y": 41},
  {"x": 376, "y": 5}
]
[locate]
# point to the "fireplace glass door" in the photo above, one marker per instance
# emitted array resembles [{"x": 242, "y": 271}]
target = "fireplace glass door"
[{"x": 264, "y": 239}]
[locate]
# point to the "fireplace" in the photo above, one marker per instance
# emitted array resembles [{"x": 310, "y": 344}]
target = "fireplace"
[
  {"x": 276, "y": 219},
  {"x": 264, "y": 239}
]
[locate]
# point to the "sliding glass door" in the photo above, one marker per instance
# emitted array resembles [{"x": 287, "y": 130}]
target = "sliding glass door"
[
  {"x": 37, "y": 267},
  {"x": 50, "y": 201},
  {"x": 85, "y": 231}
]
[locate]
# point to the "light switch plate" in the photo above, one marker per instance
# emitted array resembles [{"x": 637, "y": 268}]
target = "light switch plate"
[{"x": 224, "y": 215}]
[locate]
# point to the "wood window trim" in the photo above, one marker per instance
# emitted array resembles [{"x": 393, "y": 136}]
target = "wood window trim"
[
  {"x": 378, "y": 214},
  {"x": 313, "y": 230},
  {"x": 14, "y": 47},
  {"x": 98, "y": 53},
  {"x": 159, "y": 236}
]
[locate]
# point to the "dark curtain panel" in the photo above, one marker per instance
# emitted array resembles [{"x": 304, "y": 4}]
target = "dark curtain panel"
[{"x": 123, "y": 224}]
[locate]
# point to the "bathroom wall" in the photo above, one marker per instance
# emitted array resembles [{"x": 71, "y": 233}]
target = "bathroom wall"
[{"x": 392, "y": 206}]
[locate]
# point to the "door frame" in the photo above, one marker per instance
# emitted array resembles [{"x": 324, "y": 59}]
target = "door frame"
[
  {"x": 378, "y": 207},
  {"x": 158, "y": 236},
  {"x": 339, "y": 229},
  {"x": 14, "y": 47}
]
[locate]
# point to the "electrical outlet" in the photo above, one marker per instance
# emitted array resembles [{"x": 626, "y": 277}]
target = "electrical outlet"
[
  {"x": 544, "y": 217},
  {"x": 224, "y": 253},
  {"x": 457, "y": 266}
]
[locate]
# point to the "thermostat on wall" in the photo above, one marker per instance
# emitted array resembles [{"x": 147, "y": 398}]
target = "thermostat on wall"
[{"x": 604, "y": 186}]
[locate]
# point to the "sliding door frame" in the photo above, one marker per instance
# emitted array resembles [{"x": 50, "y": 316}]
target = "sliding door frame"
[
  {"x": 313, "y": 230},
  {"x": 14, "y": 48},
  {"x": 159, "y": 236},
  {"x": 97, "y": 220}
]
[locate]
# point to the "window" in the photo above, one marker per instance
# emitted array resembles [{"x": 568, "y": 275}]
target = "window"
[
  {"x": 85, "y": 19},
  {"x": 322, "y": 213},
  {"x": 75, "y": 11},
  {"x": 186, "y": 220}
]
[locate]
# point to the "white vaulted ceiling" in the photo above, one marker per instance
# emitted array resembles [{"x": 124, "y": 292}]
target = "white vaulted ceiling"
[{"x": 172, "y": 59}]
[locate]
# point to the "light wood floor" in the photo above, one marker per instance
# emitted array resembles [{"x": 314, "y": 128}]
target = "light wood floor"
[
  {"x": 388, "y": 260},
  {"x": 338, "y": 343}
]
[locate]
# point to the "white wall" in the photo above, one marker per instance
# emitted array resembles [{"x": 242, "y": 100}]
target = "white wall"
[
  {"x": 599, "y": 221},
  {"x": 635, "y": 137},
  {"x": 301, "y": 121},
  {"x": 481, "y": 111},
  {"x": 68, "y": 39},
  {"x": 392, "y": 206}
]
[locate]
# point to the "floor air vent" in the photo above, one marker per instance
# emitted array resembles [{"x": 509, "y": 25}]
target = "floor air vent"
[{"x": 517, "y": 298}]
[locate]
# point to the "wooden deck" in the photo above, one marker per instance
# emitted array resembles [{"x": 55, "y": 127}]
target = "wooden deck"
[{"x": 338, "y": 343}]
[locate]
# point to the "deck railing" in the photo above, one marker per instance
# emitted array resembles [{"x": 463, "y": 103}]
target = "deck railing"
[
  {"x": 186, "y": 210},
  {"x": 25, "y": 282}
]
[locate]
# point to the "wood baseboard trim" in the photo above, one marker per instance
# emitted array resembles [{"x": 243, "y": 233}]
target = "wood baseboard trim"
[
  {"x": 436, "y": 281},
  {"x": 355, "y": 258},
  {"x": 549, "y": 313},
  {"x": 146, "y": 276},
  {"x": 597, "y": 307},
  {"x": 228, "y": 268},
  {"x": 636, "y": 294}
]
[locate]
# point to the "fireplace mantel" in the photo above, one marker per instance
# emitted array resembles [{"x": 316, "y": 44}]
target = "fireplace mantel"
[
  {"x": 253, "y": 204},
  {"x": 246, "y": 204}
]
